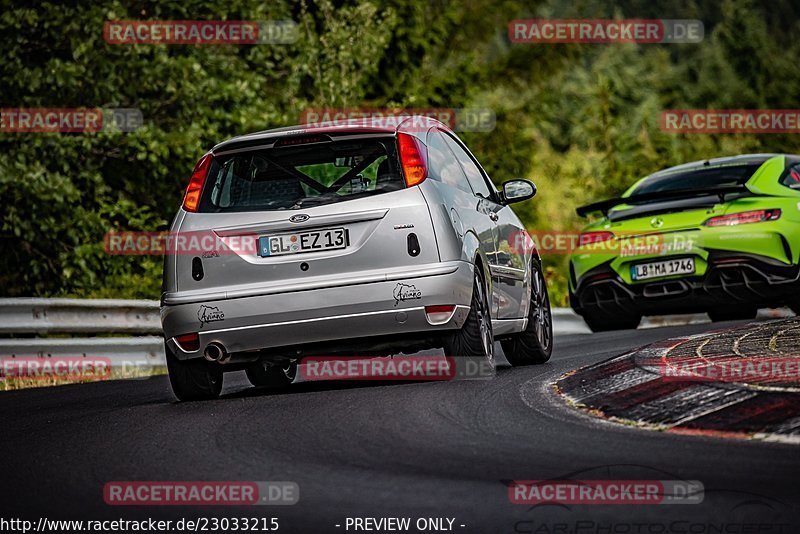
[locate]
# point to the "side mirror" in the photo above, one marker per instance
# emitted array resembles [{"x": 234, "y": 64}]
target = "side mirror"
[{"x": 517, "y": 191}]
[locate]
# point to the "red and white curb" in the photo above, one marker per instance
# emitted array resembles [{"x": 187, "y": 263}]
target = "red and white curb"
[{"x": 642, "y": 388}]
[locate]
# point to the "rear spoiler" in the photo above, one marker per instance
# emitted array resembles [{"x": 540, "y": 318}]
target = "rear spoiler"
[{"x": 605, "y": 205}]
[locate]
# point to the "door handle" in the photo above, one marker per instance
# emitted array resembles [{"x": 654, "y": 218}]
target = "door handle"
[{"x": 493, "y": 216}]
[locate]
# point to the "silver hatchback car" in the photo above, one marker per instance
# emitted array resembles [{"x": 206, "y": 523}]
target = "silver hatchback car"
[{"x": 351, "y": 239}]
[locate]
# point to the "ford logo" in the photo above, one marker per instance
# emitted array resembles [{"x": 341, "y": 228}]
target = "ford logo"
[{"x": 302, "y": 217}]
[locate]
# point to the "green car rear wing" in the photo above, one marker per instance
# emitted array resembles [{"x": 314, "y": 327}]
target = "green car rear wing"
[{"x": 605, "y": 205}]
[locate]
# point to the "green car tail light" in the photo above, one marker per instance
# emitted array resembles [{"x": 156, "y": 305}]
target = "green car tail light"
[
  {"x": 591, "y": 238},
  {"x": 745, "y": 217}
]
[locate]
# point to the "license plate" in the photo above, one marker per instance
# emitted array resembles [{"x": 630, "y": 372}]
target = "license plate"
[
  {"x": 311, "y": 241},
  {"x": 657, "y": 269}
]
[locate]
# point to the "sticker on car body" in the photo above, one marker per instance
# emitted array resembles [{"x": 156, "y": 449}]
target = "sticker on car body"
[
  {"x": 209, "y": 314},
  {"x": 404, "y": 292}
]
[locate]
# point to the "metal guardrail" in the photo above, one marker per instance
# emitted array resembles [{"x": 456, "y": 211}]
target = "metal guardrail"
[
  {"x": 78, "y": 316},
  {"x": 99, "y": 316},
  {"x": 566, "y": 321},
  {"x": 136, "y": 350}
]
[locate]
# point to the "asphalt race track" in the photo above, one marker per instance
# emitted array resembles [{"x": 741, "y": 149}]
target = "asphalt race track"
[{"x": 444, "y": 449}]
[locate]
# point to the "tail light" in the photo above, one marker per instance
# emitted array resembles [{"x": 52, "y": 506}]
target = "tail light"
[
  {"x": 188, "y": 342},
  {"x": 745, "y": 217},
  {"x": 439, "y": 314},
  {"x": 413, "y": 158},
  {"x": 192, "y": 198},
  {"x": 601, "y": 276},
  {"x": 590, "y": 238}
]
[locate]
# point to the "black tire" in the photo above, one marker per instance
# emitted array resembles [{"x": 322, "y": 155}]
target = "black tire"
[
  {"x": 604, "y": 323},
  {"x": 535, "y": 344},
  {"x": 475, "y": 338},
  {"x": 195, "y": 379},
  {"x": 732, "y": 313},
  {"x": 271, "y": 376}
]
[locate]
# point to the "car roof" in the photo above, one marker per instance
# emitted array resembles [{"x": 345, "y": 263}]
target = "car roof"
[
  {"x": 370, "y": 125},
  {"x": 744, "y": 159}
]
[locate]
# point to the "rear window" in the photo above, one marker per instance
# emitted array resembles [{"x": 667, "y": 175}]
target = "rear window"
[
  {"x": 294, "y": 177},
  {"x": 702, "y": 178}
]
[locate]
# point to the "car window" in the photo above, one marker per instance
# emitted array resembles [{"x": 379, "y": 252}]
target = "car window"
[
  {"x": 474, "y": 174},
  {"x": 699, "y": 178},
  {"x": 296, "y": 176},
  {"x": 791, "y": 178},
  {"x": 444, "y": 166}
]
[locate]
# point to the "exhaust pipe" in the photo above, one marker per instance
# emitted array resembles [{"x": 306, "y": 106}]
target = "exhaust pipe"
[{"x": 215, "y": 352}]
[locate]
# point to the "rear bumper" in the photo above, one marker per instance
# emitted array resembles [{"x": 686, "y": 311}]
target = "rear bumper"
[
  {"x": 731, "y": 279},
  {"x": 297, "y": 318}
]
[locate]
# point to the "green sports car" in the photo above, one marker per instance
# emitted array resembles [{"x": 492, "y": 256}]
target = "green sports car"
[{"x": 720, "y": 236}]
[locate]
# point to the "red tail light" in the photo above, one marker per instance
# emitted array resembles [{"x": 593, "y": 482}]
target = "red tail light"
[
  {"x": 192, "y": 198},
  {"x": 413, "y": 158},
  {"x": 745, "y": 217},
  {"x": 590, "y": 238},
  {"x": 188, "y": 342}
]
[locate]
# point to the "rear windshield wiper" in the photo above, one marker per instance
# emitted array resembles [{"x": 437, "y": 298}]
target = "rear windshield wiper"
[
  {"x": 605, "y": 205},
  {"x": 322, "y": 199}
]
